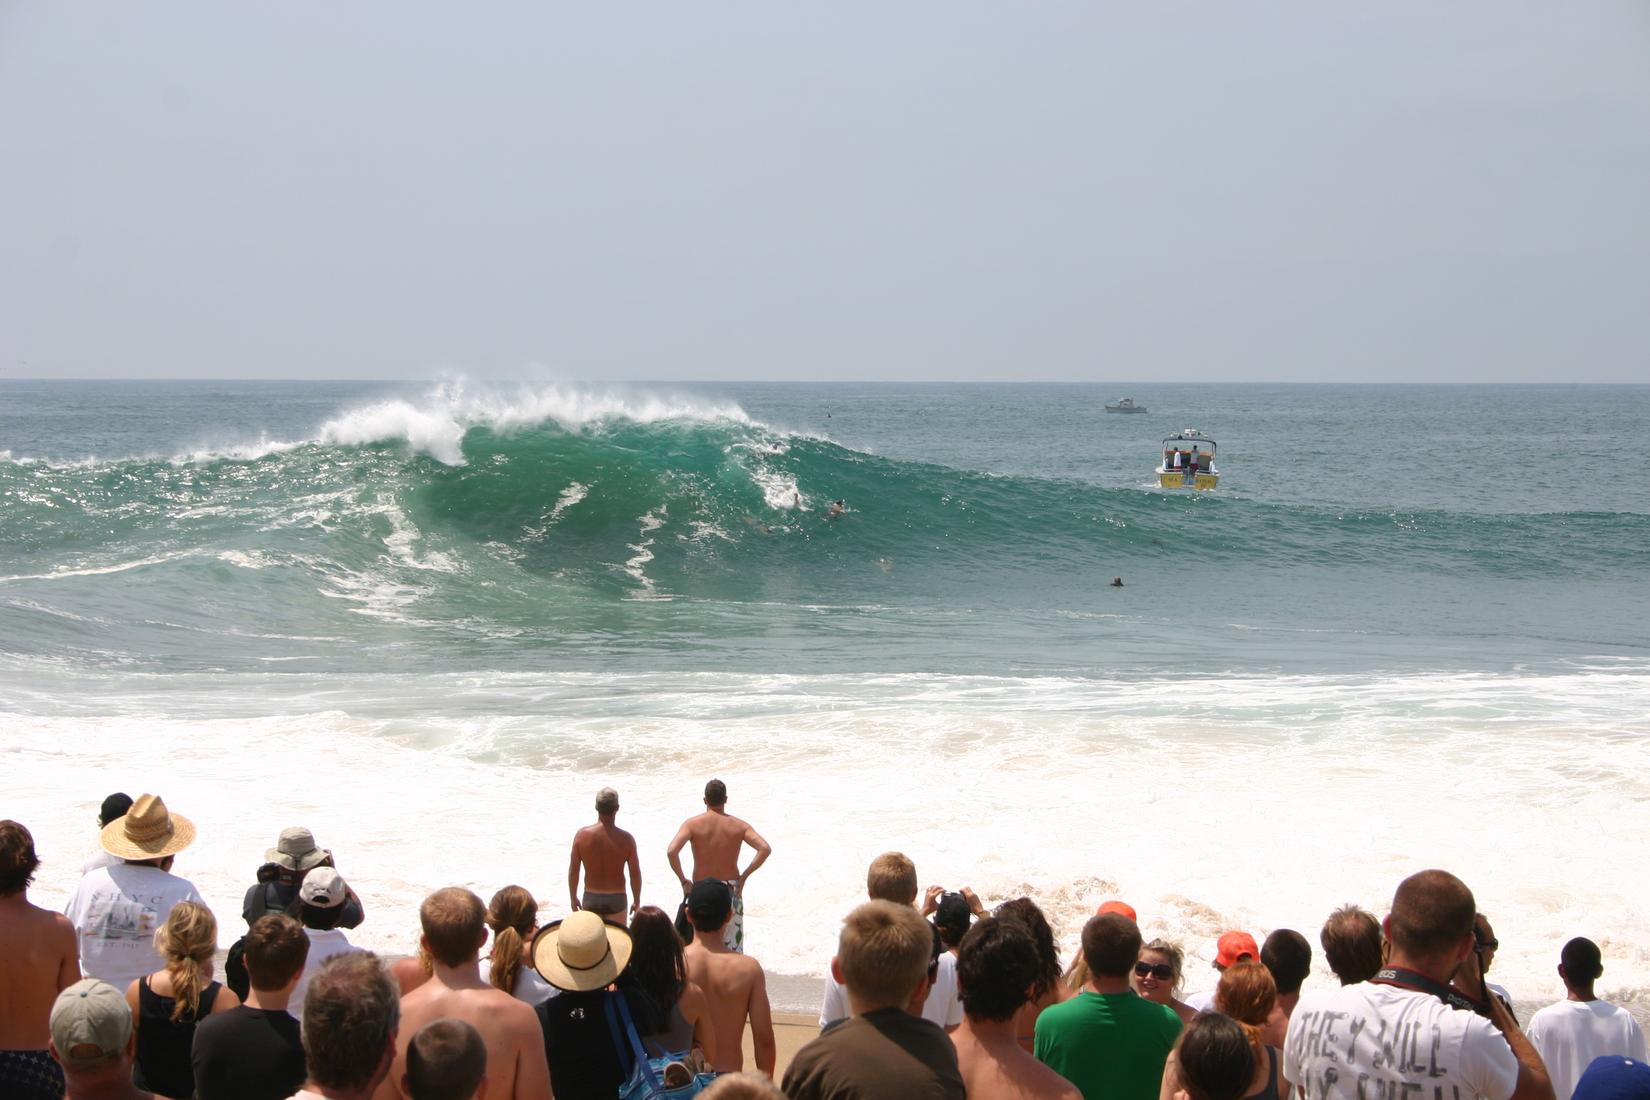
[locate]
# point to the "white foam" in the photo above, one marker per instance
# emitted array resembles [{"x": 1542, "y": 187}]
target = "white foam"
[
  {"x": 643, "y": 551},
  {"x": 436, "y": 425},
  {"x": 779, "y": 489},
  {"x": 245, "y": 559},
  {"x": 99, "y": 570},
  {"x": 1251, "y": 802},
  {"x": 567, "y": 498}
]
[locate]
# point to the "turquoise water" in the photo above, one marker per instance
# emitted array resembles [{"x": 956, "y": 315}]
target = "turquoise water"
[
  {"x": 1357, "y": 528},
  {"x": 1408, "y": 629}
]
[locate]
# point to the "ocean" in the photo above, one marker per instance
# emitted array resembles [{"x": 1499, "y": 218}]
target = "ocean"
[{"x": 1408, "y": 630}]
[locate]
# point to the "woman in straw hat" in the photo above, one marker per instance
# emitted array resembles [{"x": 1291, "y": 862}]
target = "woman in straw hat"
[
  {"x": 167, "y": 1004},
  {"x": 116, "y": 910},
  {"x": 583, "y": 956}
]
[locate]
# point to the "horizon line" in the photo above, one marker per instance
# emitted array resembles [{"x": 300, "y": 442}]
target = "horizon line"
[{"x": 814, "y": 381}]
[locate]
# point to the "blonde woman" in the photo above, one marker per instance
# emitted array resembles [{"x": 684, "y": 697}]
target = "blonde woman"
[
  {"x": 513, "y": 915},
  {"x": 167, "y": 1004},
  {"x": 1157, "y": 977}
]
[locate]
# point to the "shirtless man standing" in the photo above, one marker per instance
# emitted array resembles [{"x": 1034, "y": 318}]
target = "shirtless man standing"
[
  {"x": 42, "y": 958},
  {"x": 454, "y": 930},
  {"x": 717, "y": 838},
  {"x": 735, "y": 987},
  {"x": 604, "y": 851}
]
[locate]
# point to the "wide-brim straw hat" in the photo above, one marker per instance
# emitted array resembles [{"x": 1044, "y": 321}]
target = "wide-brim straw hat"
[
  {"x": 581, "y": 953},
  {"x": 148, "y": 831}
]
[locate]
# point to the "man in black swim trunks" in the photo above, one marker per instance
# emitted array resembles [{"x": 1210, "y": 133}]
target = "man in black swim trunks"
[{"x": 604, "y": 852}]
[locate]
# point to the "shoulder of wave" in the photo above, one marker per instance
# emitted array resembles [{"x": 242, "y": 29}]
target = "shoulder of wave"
[{"x": 246, "y": 452}]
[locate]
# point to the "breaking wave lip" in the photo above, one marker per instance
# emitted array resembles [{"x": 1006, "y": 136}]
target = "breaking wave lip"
[{"x": 436, "y": 425}]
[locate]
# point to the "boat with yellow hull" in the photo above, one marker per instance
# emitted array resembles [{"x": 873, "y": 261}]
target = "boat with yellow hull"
[{"x": 1188, "y": 462}]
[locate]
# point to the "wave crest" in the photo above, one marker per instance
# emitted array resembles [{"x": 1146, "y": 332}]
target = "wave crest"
[{"x": 437, "y": 424}]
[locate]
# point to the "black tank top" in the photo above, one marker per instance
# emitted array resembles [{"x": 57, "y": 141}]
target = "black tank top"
[
  {"x": 1270, "y": 1092},
  {"x": 163, "y": 1044}
]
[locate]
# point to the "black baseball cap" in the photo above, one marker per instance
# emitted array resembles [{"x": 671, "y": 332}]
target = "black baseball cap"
[{"x": 114, "y": 808}]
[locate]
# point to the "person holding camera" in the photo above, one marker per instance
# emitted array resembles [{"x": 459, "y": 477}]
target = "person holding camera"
[
  {"x": 1406, "y": 1033},
  {"x": 295, "y": 855}
]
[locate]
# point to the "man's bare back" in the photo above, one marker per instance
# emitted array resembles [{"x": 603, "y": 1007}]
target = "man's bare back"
[
  {"x": 735, "y": 990},
  {"x": 604, "y": 851},
  {"x": 516, "y": 1067},
  {"x": 716, "y": 840},
  {"x": 994, "y": 1064},
  {"x": 42, "y": 959}
]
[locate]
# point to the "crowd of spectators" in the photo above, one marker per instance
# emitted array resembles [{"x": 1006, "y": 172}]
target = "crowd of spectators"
[{"x": 119, "y": 997}]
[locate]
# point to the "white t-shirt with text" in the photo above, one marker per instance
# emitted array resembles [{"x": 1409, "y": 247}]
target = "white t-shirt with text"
[
  {"x": 115, "y": 910},
  {"x": 1570, "y": 1034},
  {"x": 1380, "y": 1042}
]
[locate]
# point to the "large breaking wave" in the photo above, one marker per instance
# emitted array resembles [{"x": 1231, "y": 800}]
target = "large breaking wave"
[{"x": 652, "y": 494}]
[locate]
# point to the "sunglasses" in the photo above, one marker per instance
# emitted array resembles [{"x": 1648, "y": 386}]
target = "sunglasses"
[
  {"x": 1160, "y": 971},
  {"x": 1488, "y": 945}
]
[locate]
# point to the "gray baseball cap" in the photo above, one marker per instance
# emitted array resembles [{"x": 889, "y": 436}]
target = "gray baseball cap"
[{"x": 90, "y": 1014}]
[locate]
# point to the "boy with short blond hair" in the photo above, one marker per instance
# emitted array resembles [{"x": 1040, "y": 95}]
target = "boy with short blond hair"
[{"x": 882, "y": 961}]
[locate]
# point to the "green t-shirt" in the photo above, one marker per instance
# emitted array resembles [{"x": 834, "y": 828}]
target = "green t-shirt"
[{"x": 1112, "y": 1046}]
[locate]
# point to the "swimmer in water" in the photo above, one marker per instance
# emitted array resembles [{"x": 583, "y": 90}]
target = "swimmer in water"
[
  {"x": 1117, "y": 582},
  {"x": 835, "y": 510}
]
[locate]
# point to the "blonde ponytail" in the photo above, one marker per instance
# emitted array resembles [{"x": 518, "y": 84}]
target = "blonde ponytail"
[
  {"x": 512, "y": 915},
  {"x": 188, "y": 940}
]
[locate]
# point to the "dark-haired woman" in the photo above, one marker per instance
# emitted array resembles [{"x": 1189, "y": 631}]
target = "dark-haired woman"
[
  {"x": 1213, "y": 1060},
  {"x": 1049, "y": 989},
  {"x": 1247, "y": 995},
  {"x": 682, "y": 1016}
]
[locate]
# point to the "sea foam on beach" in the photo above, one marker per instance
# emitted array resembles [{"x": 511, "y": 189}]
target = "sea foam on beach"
[{"x": 1246, "y": 802}]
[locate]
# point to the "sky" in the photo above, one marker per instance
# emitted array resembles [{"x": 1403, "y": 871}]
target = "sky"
[{"x": 1292, "y": 191}]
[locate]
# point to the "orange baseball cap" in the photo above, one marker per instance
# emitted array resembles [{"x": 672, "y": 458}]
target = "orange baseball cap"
[
  {"x": 1121, "y": 908},
  {"x": 1235, "y": 947}
]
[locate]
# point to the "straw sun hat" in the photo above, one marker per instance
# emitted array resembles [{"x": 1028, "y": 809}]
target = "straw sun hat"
[
  {"x": 148, "y": 831},
  {"x": 581, "y": 953}
]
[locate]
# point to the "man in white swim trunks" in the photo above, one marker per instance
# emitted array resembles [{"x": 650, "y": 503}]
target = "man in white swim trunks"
[{"x": 717, "y": 838}]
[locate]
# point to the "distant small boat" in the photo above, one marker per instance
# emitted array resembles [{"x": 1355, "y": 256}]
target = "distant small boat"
[
  {"x": 1125, "y": 405},
  {"x": 1188, "y": 462}
]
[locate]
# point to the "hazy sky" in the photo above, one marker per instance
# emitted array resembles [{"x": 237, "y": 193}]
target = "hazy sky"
[{"x": 947, "y": 190}]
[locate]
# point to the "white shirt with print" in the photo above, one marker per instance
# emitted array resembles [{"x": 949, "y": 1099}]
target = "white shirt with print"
[
  {"x": 115, "y": 910},
  {"x": 1380, "y": 1042}
]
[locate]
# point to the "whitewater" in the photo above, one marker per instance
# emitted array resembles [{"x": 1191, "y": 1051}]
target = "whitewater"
[{"x": 430, "y": 622}]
